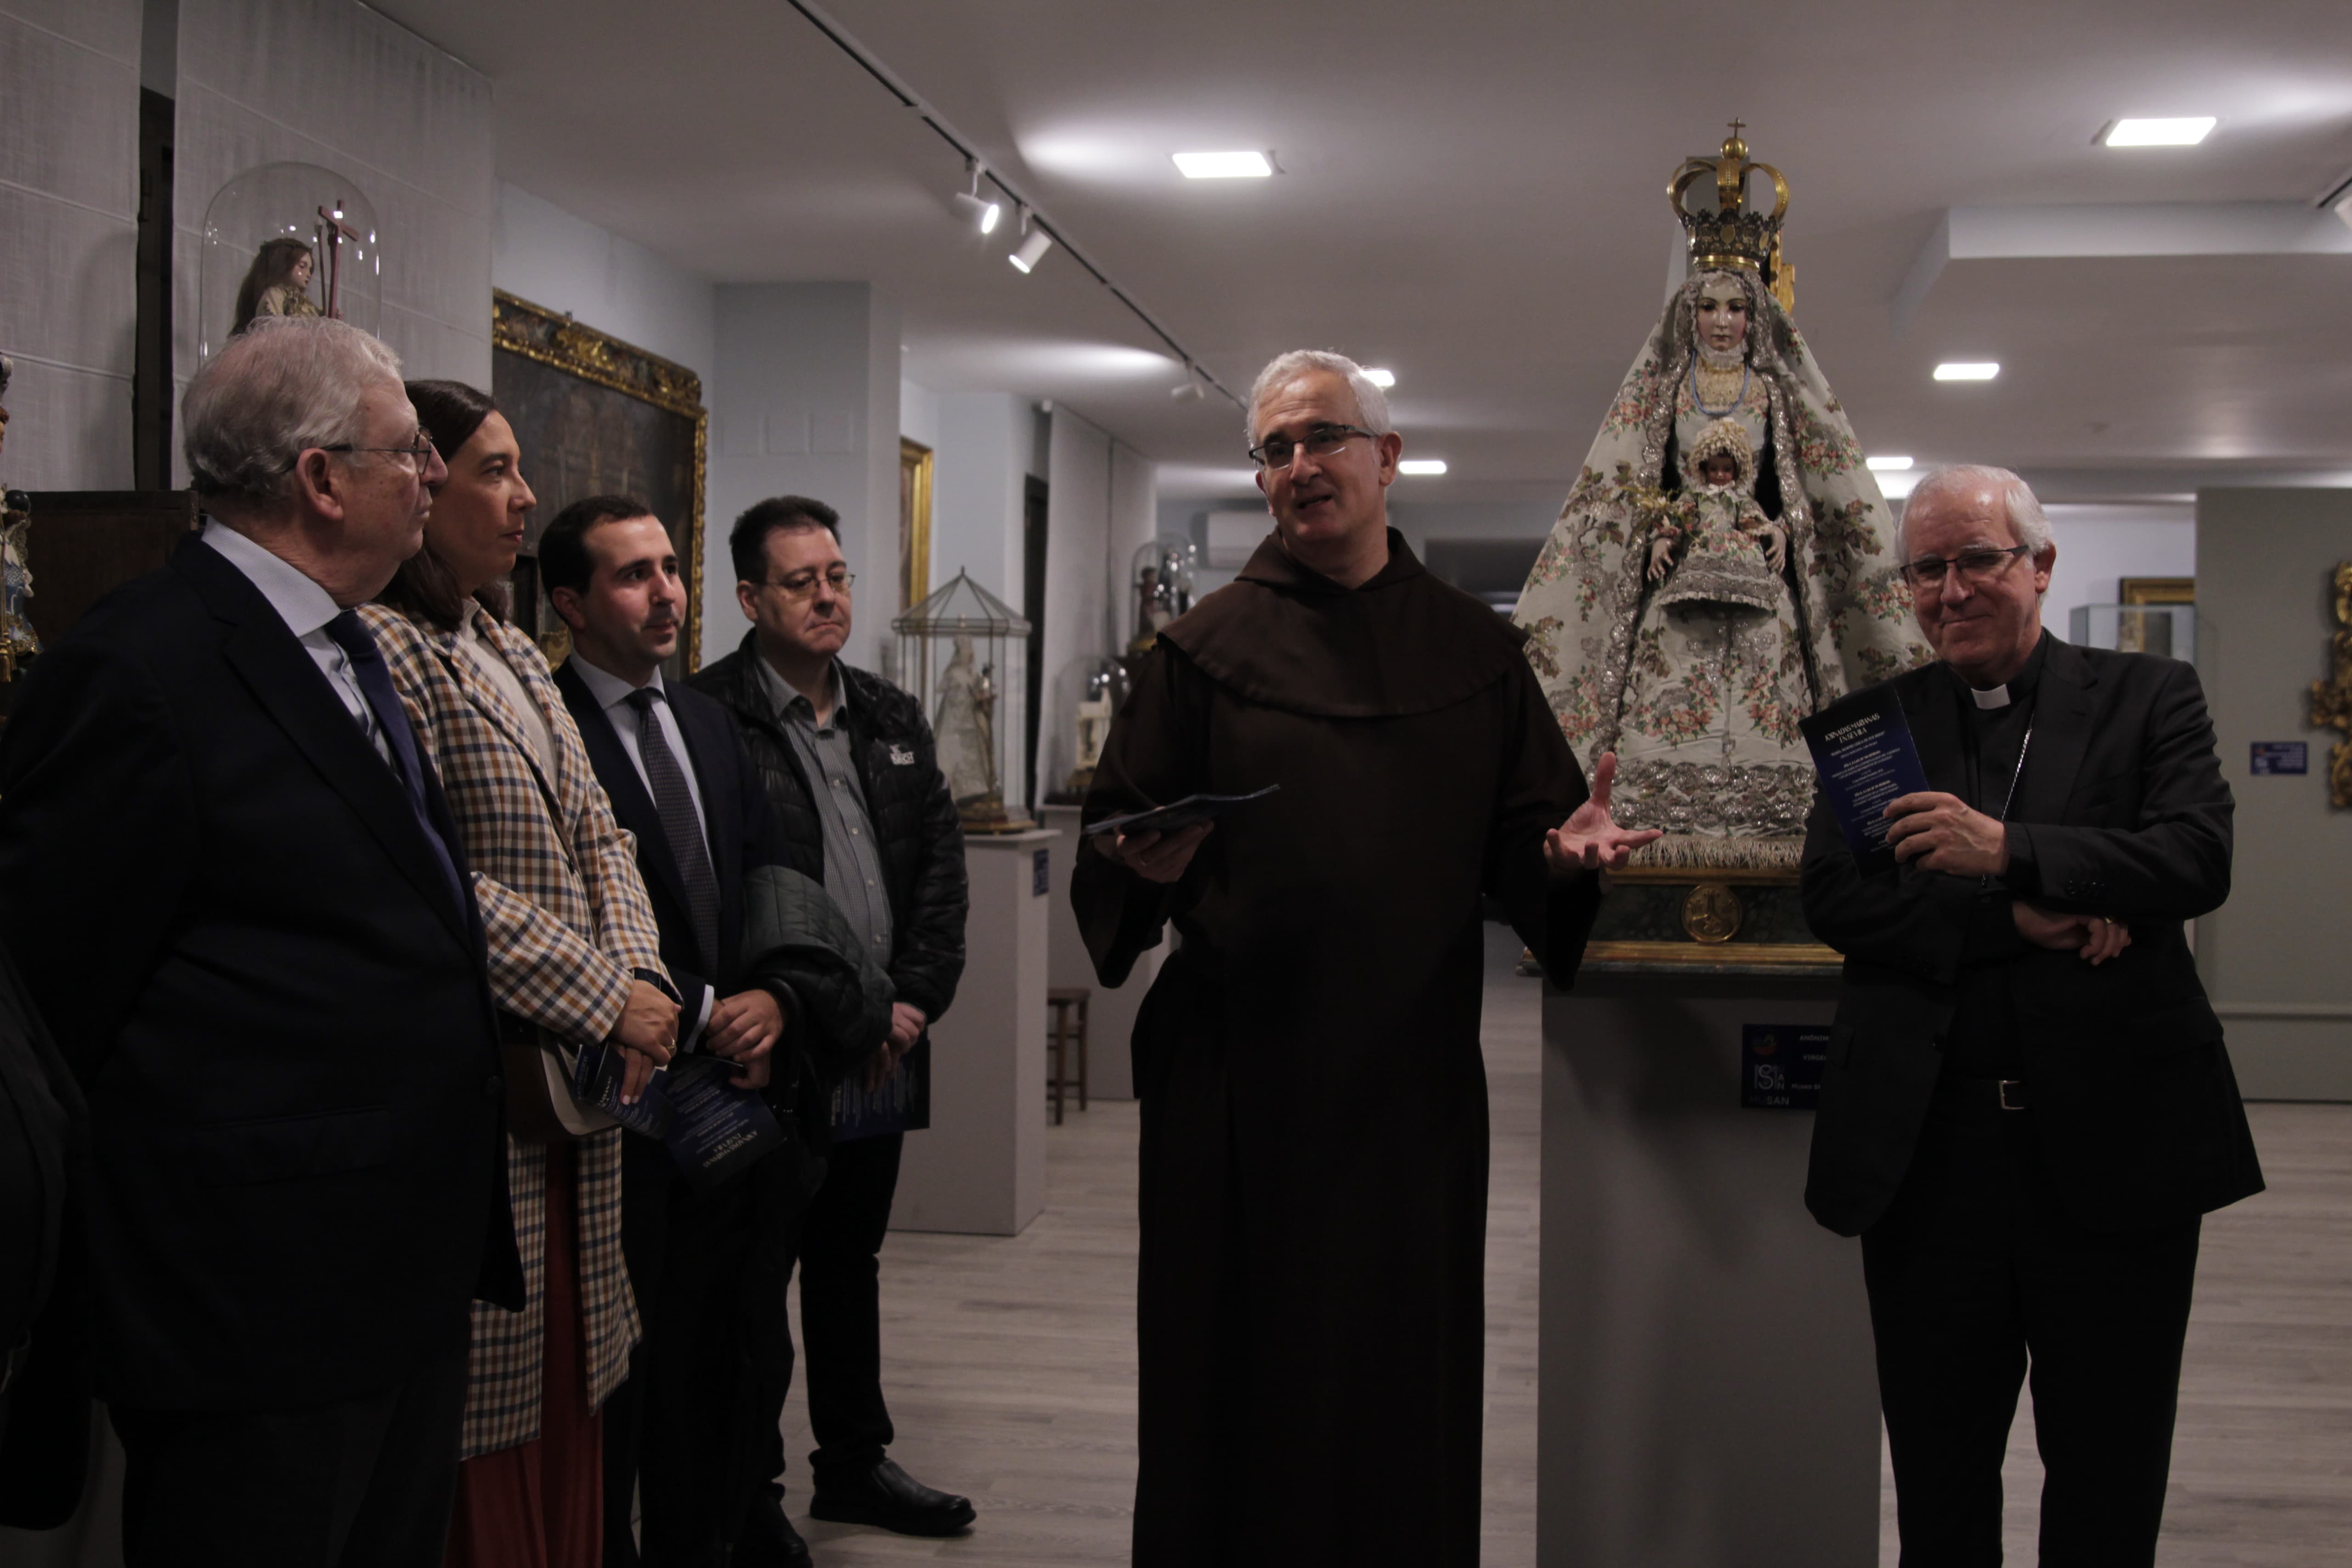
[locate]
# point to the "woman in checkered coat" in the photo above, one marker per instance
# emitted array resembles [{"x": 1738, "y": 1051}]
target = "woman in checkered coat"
[{"x": 574, "y": 949}]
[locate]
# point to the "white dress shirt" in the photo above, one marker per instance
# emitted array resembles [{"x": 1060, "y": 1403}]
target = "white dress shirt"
[
  {"x": 612, "y": 694},
  {"x": 306, "y": 608}
]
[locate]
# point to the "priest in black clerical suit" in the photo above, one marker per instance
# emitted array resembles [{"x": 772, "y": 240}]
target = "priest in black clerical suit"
[
  {"x": 681, "y": 1437},
  {"x": 2027, "y": 1105},
  {"x": 1314, "y": 1168}
]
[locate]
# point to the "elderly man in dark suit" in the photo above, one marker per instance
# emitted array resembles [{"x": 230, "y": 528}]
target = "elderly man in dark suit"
[
  {"x": 680, "y": 1433},
  {"x": 231, "y": 882},
  {"x": 2027, "y": 1106}
]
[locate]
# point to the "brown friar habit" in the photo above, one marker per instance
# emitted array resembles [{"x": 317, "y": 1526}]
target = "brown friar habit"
[{"x": 1310, "y": 1311}]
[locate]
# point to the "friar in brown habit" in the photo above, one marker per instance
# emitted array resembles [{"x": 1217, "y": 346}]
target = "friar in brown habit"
[{"x": 1311, "y": 1310}]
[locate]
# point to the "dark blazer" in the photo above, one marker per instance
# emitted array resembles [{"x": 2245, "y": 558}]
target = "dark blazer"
[
  {"x": 237, "y": 931},
  {"x": 916, "y": 825},
  {"x": 2125, "y": 815},
  {"x": 735, "y": 823}
]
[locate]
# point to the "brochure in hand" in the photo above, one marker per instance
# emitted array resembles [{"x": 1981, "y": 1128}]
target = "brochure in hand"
[
  {"x": 1178, "y": 816},
  {"x": 1863, "y": 749},
  {"x": 712, "y": 1128}
]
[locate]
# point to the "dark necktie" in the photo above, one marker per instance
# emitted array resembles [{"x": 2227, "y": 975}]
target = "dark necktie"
[
  {"x": 351, "y": 634},
  {"x": 680, "y": 826}
]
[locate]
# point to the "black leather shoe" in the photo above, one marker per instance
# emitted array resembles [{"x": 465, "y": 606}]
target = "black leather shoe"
[
  {"x": 888, "y": 1496},
  {"x": 769, "y": 1540}
]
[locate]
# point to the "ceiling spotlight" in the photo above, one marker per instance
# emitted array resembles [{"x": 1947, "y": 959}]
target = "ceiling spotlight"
[
  {"x": 1888, "y": 465},
  {"x": 1966, "y": 370},
  {"x": 1422, "y": 466},
  {"x": 1033, "y": 247},
  {"x": 983, "y": 212},
  {"x": 1380, "y": 377},
  {"x": 2186, "y": 133},
  {"x": 1224, "y": 165}
]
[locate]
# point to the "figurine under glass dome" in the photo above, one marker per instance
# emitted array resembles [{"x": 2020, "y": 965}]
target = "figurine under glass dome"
[{"x": 963, "y": 654}]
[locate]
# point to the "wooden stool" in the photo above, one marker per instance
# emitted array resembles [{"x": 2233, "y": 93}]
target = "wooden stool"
[{"x": 1065, "y": 1032}]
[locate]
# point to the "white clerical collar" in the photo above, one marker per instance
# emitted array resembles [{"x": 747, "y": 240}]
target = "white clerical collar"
[{"x": 1994, "y": 697}]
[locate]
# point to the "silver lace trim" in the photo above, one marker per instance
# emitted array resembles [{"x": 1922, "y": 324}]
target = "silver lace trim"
[{"x": 1759, "y": 799}]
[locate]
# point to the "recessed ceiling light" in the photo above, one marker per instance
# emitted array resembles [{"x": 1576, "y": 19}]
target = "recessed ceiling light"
[
  {"x": 1888, "y": 465},
  {"x": 1224, "y": 165},
  {"x": 1380, "y": 377},
  {"x": 1967, "y": 370},
  {"x": 2186, "y": 133},
  {"x": 1422, "y": 466}
]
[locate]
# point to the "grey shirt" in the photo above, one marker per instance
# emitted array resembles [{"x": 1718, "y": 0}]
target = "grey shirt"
[{"x": 853, "y": 863}]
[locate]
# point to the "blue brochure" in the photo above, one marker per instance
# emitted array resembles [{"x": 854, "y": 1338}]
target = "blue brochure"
[
  {"x": 716, "y": 1129},
  {"x": 1863, "y": 749},
  {"x": 596, "y": 1082},
  {"x": 903, "y": 1103}
]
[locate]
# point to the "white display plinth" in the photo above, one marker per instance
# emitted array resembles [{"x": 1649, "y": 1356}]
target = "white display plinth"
[
  {"x": 980, "y": 1167},
  {"x": 1111, "y": 1015},
  {"x": 1708, "y": 1396}
]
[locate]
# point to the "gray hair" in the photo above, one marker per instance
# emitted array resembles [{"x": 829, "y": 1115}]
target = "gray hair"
[
  {"x": 283, "y": 386},
  {"x": 2017, "y": 499},
  {"x": 1371, "y": 403}
]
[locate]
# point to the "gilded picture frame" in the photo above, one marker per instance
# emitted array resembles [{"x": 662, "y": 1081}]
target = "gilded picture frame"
[
  {"x": 592, "y": 415},
  {"x": 914, "y": 523},
  {"x": 2158, "y": 591}
]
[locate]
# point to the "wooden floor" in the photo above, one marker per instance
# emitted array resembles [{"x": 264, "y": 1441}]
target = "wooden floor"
[{"x": 1010, "y": 1362}]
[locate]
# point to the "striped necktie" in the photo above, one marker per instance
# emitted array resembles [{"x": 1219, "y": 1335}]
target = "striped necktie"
[{"x": 680, "y": 826}]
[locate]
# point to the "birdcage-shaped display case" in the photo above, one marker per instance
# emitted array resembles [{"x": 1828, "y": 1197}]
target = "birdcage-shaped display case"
[
  {"x": 1158, "y": 589},
  {"x": 288, "y": 239},
  {"x": 963, "y": 654},
  {"x": 1086, "y": 696}
]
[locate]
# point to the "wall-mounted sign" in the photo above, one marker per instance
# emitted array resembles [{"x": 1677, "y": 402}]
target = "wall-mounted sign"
[
  {"x": 2273, "y": 758},
  {"x": 1780, "y": 1066},
  {"x": 1041, "y": 875}
]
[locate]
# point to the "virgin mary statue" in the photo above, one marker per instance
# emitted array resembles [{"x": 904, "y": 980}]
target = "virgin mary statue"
[{"x": 1664, "y": 630}]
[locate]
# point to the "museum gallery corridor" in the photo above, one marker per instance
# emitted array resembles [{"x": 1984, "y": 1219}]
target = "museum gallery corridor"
[{"x": 1010, "y": 1360}]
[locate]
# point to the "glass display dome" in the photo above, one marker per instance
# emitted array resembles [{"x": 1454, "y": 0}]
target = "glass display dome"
[
  {"x": 1088, "y": 695},
  {"x": 963, "y": 654},
  {"x": 1159, "y": 588},
  {"x": 288, "y": 239}
]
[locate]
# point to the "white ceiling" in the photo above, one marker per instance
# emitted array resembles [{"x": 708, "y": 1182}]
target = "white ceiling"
[{"x": 1474, "y": 195}]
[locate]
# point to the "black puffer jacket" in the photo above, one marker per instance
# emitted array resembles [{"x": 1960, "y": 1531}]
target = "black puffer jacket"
[{"x": 915, "y": 826}]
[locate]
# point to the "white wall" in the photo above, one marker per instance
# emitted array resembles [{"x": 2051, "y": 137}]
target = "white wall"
[
  {"x": 333, "y": 84},
  {"x": 1101, "y": 507},
  {"x": 2100, "y": 545},
  {"x": 919, "y": 414},
  {"x": 68, "y": 239},
  {"x": 545, "y": 255},
  {"x": 2273, "y": 955},
  {"x": 979, "y": 470},
  {"x": 803, "y": 399}
]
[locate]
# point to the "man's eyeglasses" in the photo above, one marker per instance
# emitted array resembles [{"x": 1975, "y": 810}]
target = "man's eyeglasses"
[
  {"x": 1322, "y": 441},
  {"x": 802, "y": 585},
  {"x": 419, "y": 453},
  {"x": 1977, "y": 567}
]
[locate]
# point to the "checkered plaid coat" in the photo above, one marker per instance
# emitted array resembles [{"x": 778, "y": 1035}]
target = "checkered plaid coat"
[{"x": 567, "y": 918}]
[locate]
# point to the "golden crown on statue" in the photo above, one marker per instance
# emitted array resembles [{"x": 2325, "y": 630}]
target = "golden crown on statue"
[{"x": 1729, "y": 234}]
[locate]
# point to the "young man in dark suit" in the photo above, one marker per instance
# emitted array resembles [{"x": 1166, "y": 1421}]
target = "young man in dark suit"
[
  {"x": 235, "y": 891},
  {"x": 2027, "y": 1106},
  {"x": 679, "y": 1433}
]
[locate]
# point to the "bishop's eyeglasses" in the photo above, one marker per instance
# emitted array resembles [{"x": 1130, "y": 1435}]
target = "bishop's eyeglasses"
[
  {"x": 1977, "y": 567},
  {"x": 1322, "y": 441}
]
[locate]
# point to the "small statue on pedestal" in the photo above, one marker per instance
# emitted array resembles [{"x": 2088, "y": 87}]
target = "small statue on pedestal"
[
  {"x": 965, "y": 730},
  {"x": 277, "y": 284}
]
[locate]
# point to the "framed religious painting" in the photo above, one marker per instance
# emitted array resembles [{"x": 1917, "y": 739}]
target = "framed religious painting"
[{"x": 594, "y": 416}]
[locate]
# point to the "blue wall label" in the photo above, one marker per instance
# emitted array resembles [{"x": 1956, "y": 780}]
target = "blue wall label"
[
  {"x": 1780, "y": 1066},
  {"x": 2273, "y": 758},
  {"x": 1041, "y": 875}
]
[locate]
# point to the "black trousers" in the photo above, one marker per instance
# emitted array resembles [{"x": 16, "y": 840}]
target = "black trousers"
[
  {"x": 1974, "y": 1274},
  {"x": 679, "y": 1431},
  {"x": 355, "y": 1483},
  {"x": 837, "y": 1245}
]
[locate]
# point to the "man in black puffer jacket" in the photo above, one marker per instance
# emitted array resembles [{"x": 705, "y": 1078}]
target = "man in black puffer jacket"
[{"x": 853, "y": 785}]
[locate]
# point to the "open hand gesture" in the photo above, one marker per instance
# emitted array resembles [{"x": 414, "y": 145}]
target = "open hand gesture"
[{"x": 1590, "y": 840}]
